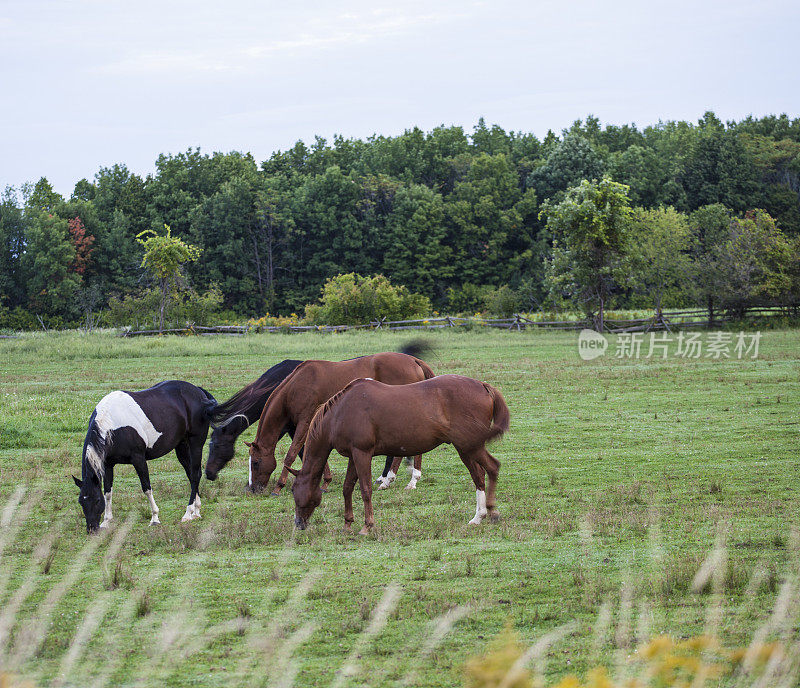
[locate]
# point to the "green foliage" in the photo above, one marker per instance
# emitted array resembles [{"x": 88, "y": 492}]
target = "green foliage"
[
  {"x": 47, "y": 266},
  {"x": 164, "y": 254},
  {"x": 188, "y": 306},
  {"x": 590, "y": 235},
  {"x": 352, "y": 299},
  {"x": 163, "y": 257},
  {"x": 430, "y": 210},
  {"x": 755, "y": 262},
  {"x": 658, "y": 253}
]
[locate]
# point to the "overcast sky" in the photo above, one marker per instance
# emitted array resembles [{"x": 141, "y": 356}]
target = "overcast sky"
[{"x": 87, "y": 83}]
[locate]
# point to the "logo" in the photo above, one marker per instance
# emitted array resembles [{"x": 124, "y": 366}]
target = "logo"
[{"x": 591, "y": 344}]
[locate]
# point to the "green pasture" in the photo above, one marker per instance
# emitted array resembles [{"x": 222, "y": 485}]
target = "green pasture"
[{"x": 618, "y": 476}]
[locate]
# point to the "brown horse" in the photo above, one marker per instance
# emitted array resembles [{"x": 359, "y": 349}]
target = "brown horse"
[
  {"x": 296, "y": 399},
  {"x": 368, "y": 418}
]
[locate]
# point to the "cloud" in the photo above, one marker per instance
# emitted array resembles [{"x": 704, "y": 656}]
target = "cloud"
[{"x": 343, "y": 30}]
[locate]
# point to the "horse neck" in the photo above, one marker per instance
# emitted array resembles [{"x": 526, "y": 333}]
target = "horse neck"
[
  {"x": 273, "y": 420},
  {"x": 315, "y": 455}
]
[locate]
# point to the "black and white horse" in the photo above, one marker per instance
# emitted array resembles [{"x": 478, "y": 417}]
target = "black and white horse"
[{"x": 135, "y": 427}]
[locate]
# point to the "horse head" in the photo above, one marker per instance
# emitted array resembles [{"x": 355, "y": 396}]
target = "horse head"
[
  {"x": 307, "y": 495},
  {"x": 262, "y": 464},
  {"x": 91, "y": 500}
]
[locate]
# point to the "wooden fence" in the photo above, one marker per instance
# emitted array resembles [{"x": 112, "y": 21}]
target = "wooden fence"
[{"x": 666, "y": 321}]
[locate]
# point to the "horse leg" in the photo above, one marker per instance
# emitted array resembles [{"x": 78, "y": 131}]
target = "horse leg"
[
  {"x": 492, "y": 468},
  {"x": 140, "y": 466},
  {"x": 327, "y": 476},
  {"x": 184, "y": 454},
  {"x": 363, "y": 466},
  {"x": 389, "y": 472},
  {"x": 477, "y": 472},
  {"x": 196, "y": 443},
  {"x": 108, "y": 488},
  {"x": 416, "y": 472},
  {"x": 298, "y": 441},
  {"x": 350, "y": 479}
]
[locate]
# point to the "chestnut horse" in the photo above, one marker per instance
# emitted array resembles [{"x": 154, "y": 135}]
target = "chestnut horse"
[
  {"x": 295, "y": 400},
  {"x": 368, "y": 418}
]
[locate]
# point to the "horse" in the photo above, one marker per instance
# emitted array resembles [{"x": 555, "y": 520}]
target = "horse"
[
  {"x": 369, "y": 418},
  {"x": 135, "y": 427},
  {"x": 296, "y": 399},
  {"x": 231, "y": 418}
]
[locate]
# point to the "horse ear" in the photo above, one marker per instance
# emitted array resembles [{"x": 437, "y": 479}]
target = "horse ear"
[
  {"x": 79, "y": 483},
  {"x": 249, "y": 444}
]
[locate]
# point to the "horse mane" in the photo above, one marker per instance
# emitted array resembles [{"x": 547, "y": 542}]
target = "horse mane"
[
  {"x": 323, "y": 409},
  {"x": 97, "y": 444},
  {"x": 251, "y": 396}
]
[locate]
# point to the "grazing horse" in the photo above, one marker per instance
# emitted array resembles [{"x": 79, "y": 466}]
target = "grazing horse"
[
  {"x": 231, "y": 418},
  {"x": 134, "y": 427},
  {"x": 296, "y": 399},
  {"x": 368, "y": 418}
]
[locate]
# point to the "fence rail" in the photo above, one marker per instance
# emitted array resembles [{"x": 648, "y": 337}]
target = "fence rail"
[{"x": 665, "y": 321}]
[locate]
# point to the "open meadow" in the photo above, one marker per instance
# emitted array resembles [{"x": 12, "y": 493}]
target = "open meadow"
[{"x": 618, "y": 477}]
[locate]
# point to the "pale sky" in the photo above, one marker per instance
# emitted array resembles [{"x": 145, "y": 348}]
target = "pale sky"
[{"x": 88, "y": 83}]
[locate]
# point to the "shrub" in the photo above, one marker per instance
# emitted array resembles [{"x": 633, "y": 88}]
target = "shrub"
[
  {"x": 17, "y": 319},
  {"x": 503, "y": 302},
  {"x": 142, "y": 310},
  {"x": 353, "y": 300},
  {"x": 468, "y": 299}
]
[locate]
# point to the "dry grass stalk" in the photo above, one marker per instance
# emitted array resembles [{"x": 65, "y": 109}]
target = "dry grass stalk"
[
  {"x": 439, "y": 628},
  {"x": 378, "y": 620}
]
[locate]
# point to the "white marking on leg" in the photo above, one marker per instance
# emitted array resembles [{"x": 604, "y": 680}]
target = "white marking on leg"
[
  {"x": 388, "y": 480},
  {"x": 197, "y": 506},
  {"x": 107, "y": 515},
  {"x": 480, "y": 509},
  {"x": 153, "y": 508},
  {"x": 189, "y": 515},
  {"x": 415, "y": 475}
]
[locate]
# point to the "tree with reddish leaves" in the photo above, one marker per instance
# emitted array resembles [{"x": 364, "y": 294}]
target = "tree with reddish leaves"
[{"x": 82, "y": 241}]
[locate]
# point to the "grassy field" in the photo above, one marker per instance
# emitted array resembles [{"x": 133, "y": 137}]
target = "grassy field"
[{"x": 617, "y": 478}]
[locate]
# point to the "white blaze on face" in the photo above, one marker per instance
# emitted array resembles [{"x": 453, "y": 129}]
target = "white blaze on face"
[
  {"x": 250, "y": 471},
  {"x": 120, "y": 410}
]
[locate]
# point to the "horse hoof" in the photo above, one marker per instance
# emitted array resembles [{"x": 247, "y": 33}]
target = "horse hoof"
[
  {"x": 411, "y": 487},
  {"x": 365, "y": 531},
  {"x": 494, "y": 517},
  {"x": 155, "y": 522}
]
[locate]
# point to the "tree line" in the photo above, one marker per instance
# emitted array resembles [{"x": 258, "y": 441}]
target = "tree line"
[{"x": 598, "y": 216}]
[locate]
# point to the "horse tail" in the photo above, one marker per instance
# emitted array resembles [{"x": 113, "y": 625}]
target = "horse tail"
[
  {"x": 209, "y": 405},
  {"x": 416, "y": 348},
  {"x": 501, "y": 418}
]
